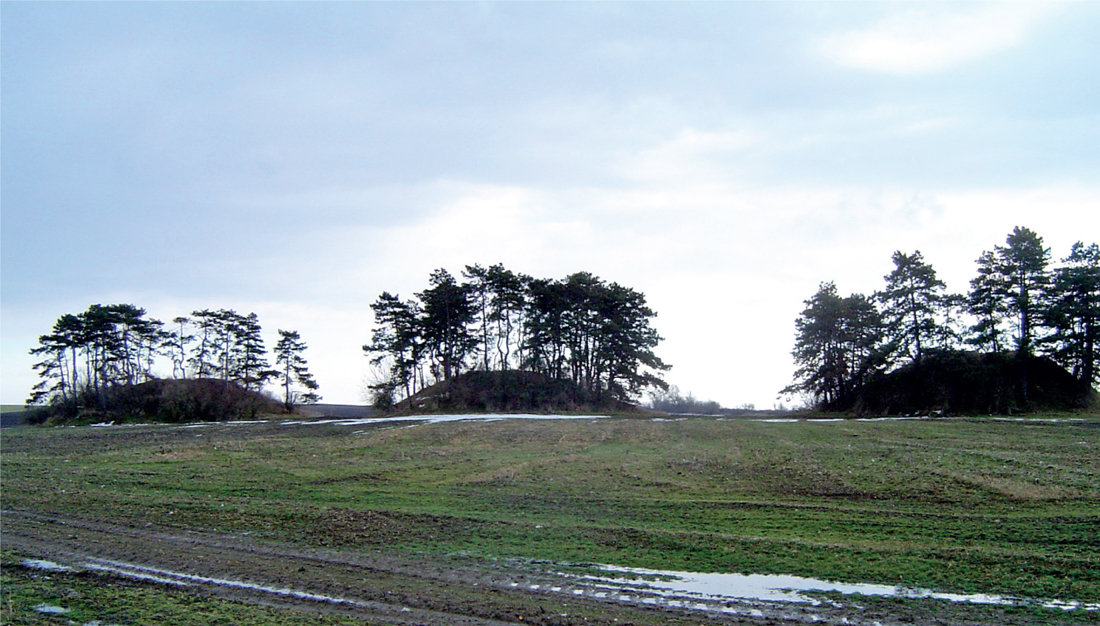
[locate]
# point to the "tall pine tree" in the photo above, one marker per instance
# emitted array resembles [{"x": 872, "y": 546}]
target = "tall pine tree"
[
  {"x": 910, "y": 303},
  {"x": 292, "y": 370},
  {"x": 1023, "y": 267}
]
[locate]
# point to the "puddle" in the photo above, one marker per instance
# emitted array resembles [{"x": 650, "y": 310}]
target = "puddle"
[
  {"x": 788, "y": 420},
  {"x": 741, "y": 594},
  {"x": 723, "y": 587},
  {"x": 715, "y": 591}
]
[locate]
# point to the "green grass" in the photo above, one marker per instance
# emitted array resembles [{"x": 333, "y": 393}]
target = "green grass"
[
  {"x": 989, "y": 506},
  {"x": 88, "y": 598},
  {"x": 12, "y": 408}
]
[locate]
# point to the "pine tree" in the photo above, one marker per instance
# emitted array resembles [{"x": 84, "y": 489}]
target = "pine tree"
[
  {"x": 1072, "y": 313},
  {"x": 1023, "y": 268},
  {"x": 447, "y": 314},
  {"x": 506, "y": 311},
  {"x": 88, "y": 354},
  {"x": 839, "y": 346},
  {"x": 986, "y": 302},
  {"x": 175, "y": 345},
  {"x": 249, "y": 366},
  {"x": 396, "y": 347},
  {"x": 910, "y": 303},
  {"x": 292, "y": 370}
]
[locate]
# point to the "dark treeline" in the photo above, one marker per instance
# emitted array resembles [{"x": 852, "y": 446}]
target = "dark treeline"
[
  {"x": 1018, "y": 307},
  {"x": 580, "y": 328},
  {"x": 93, "y": 358}
]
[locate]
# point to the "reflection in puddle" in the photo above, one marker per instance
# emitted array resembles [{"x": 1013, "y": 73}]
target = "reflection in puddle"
[
  {"x": 717, "y": 591},
  {"x": 742, "y": 594}
]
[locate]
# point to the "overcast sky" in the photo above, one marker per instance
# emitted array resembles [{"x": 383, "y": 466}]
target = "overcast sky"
[{"x": 297, "y": 159}]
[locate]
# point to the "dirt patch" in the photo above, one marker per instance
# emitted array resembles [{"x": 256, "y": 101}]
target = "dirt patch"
[{"x": 390, "y": 588}]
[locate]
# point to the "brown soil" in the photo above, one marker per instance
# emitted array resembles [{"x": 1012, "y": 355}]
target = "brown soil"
[{"x": 396, "y": 589}]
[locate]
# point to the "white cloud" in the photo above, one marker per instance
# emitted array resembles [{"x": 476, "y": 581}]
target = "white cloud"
[
  {"x": 691, "y": 152},
  {"x": 697, "y": 167},
  {"x": 923, "y": 40},
  {"x": 725, "y": 266}
]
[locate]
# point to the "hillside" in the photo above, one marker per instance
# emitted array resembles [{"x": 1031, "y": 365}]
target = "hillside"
[
  {"x": 160, "y": 400},
  {"x": 970, "y": 383},
  {"x": 508, "y": 391}
]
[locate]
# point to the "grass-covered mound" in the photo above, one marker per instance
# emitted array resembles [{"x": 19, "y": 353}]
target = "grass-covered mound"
[
  {"x": 972, "y": 506},
  {"x": 160, "y": 400},
  {"x": 509, "y": 391},
  {"x": 968, "y": 383}
]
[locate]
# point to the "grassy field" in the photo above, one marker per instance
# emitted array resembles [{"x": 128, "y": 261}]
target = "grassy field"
[
  {"x": 12, "y": 408},
  {"x": 88, "y": 599},
  {"x": 1007, "y": 507}
]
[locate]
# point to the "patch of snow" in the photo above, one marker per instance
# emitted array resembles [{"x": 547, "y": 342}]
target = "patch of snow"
[
  {"x": 179, "y": 578},
  {"x": 433, "y": 419},
  {"x": 48, "y": 566}
]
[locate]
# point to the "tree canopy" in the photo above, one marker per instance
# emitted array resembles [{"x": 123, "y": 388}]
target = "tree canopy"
[
  {"x": 292, "y": 370},
  {"x": 840, "y": 343},
  {"x": 580, "y": 328},
  {"x": 1071, "y": 312},
  {"x": 910, "y": 303},
  {"x": 1022, "y": 265},
  {"x": 843, "y": 343},
  {"x": 92, "y": 360}
]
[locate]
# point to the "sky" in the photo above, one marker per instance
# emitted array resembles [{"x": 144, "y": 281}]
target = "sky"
[{"x": 297, "y": 159}]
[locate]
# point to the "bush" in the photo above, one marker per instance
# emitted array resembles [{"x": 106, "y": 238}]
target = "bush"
[
  {"x": 159, "y": 400},
  {"x": 969, "y": 383},
  {"x": 509, "y": 391}
]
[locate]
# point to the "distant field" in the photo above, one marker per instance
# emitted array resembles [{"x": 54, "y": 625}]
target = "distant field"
[
  {"x": 984, "y": 505},
  {"x": 11, "y": 408}
]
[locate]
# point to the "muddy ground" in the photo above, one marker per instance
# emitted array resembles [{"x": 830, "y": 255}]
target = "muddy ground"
[
  {"x": 390, "y": 588},
  {"x": 380, "y": 584}
]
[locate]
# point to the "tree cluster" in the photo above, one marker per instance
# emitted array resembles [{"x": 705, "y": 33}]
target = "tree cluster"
[
  {"x": 580, "y": 328},
  {"x": 671, "y": 400},
  {"x": 90, "y": 356},
  {"x": 1017, "y": 303}
]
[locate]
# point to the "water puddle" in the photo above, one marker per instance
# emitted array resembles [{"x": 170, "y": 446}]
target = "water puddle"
[
  {"x": 722, "y": 591},
  {"x": 742, "y": 594}
]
